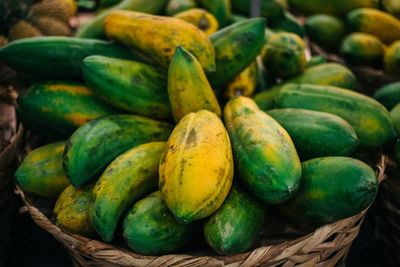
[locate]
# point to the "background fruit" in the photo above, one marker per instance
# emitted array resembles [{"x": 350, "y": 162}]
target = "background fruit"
[
  {"x": 339, "y": 7},
  {"x": 388, "y": 95},
  {"x": 176, "y": 6},
  {"x": 392, "y": 58},
  {"x": 201, "y": 19}
]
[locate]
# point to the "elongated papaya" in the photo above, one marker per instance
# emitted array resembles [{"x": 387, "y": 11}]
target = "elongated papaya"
[
  {"x": 42, "y": 172},
  {"x": 392, "y": 58},
  {"x": 71, "y": 211},
  {"x": 328, "y": 186},
  {"x": 338, "y": 7},
  {"x": 389, "y": 95},
  {"x": 270, "y": 9},
  {"x": 61, "y": 107},
  {"x": 157, "y": 37},
  {"x": 317, "y": 134},
  {"x": 244, "y": 83},
  {"x": 137, "y": 171},
  {"x": 57, "y": 57},
  {"x": 128, "y": 85},
  {"x": 234, "y": 227},
  {"x": 221, "y": 9},
  {"x": 188, "y": 88},
  {"x": 196, "y": 169},
  {"x": 375, "y": 22},
  {"x": 177, "y": 6},
  {"x": 151, "y": 229},
  {"x": 395, "y": 114},
  {"x": 94, "y": 145},
  {"x": 94, "y": 28},
  {"x": 201, "y": 19},
  {"x": 265, "y": 156},
  {"x": 231, "y": 49},
  {"x": 370, "y": 120},
  {"x": 237, "y": 18}
]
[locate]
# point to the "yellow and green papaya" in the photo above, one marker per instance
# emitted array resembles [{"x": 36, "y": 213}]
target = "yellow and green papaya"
[
  {"x": 42, "y": 173},
  {"x": 200, "y": 18},
  {"x": 392, "y": 6},
  {"x": 389, "y": 95},
  {"x": 338, "y": 7},
  {"x": 270, "y": 9},
  {"x": 196, "y": 168},
  {"x": 392, "y": 58},
  {"x": 71, "y": 211},
  {"x": 244, "y": 83},
  {"x": 287, "y": 23},
  {"x": 157, "y": 37},
  {"x": 265, "y": 156},
  {"x": 137, "y": 171},
  {"x": 395, "y": 114},
  {"x": 221, "y": 9},
  {"x": 188, "y": 87},
  {"x": 176, "y": 6}
]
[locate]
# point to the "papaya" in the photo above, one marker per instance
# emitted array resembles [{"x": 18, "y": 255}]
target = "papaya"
[
  {"x": 362, "y": 49},
  {"x": 196, "y": 168},
  {"x": 150, "y": 228},
  {"x": 42, "y": 173},
  {"x": 94, "y": 145},
  {"x": 232, "y": 51},
  {"x": 61, "y": 107},
  {"x": 95, "y": 27},
  {"x": 265, "y": 100},
  {"x": 234, "y": 227},
  {"x": 244, "y": 83},
  {"x": 284, "y": 55},
  {"x": 389, "y": 95},
  {"x": 392, "y": 6},
  {"x": 57, "y": 57},
  {"x": 108, "y": 3},
  {"x": 188, "y": 88},
  {"x": 395, "y": 114},
  {"x": 339, "y": 7},
  {"x": 392, "y": 59},
  {"x": 221, "y": 9},
  {"x": 370, "y": 119},
  {"x": 397, "y": 153},
  {"x": 327, "y": 187},
  {"x": 176, "y": 6},
  {"x": 325, "y": 30},
  {"x": 265, "y": 156},
  {"x": 201, "y": 19},
  {"x": 316, "y": 60},
  {"x": 375, "y": 22},
  {"x": 287, "y": 23},
  {"x": 71, "y": 211},
  {"x": 270, "y": 9},
  {"x": 317, "y": 134},
  {"x": 157, "y": 37},
  {"x": 130, "y": 86},
  {"x": 237, "y": 18},
  {"x": 137, "y": 171}
]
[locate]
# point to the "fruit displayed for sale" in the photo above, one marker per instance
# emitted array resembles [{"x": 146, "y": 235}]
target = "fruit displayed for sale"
[
  {"x": 244, "y": 83},
  {"x": 61, "y": 107},
  {"x": 94, "y": 145},
  {"x": 127, "y": 85},
  {"x": 338, "y": 7},
  {"x": 327, "y": 187},
  {"x": 188, "y": 88},
  {"x": 234, "y": 227},
  {"x": 42, "y": 173},
  {"x": 57, "y": 57},
  {"x": 221, "y": 9},
  {"x": 176, "y": 6},
  {"x": 392, "y": 6},
  {"x": 201, "y": 19},
  {"x": 388, "y": 95},
  {"x": 136, "y": 30},
  {"x": 370, "y": 119},
  {"x": 287, "y": 23},
  {"x": 151, "y": 229},
  {"x": 265, "y": 157},
  {"x": 270, "y": 9},
  {"x": 137, "y": 171},
  {"x": 395, "y": 114},
  {"x": 392, "y": 58},
  {"x": 71, "y": 211},
  {"x": 196, "y": 168}
]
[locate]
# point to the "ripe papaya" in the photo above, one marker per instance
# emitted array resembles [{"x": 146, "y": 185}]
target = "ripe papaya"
[
  {"x": 328, "y": 185},
  {"x": 234, "y": 227},
  {"x": 338, "y": 7},
  {"x": 157, "y": 37},
  {"x": 395, "y": 114},
  {"x": 61, "y": 107},
  {"x": 42, "y": 172},
  {"x": 317, "y": 134},
  {"x": 137, "y": 171},
  {"x": 131, "y": 86},
  {"x": 392, "y": 58},
  {"x": 188, "y": 88},
  {"x": 244, "y": 83},
  {"x": 221, "y": 9},
  {"x": 201, "y": 19},
  {"x": 151, "y": 229},
  {"x": 265, "y": 156},
  {"x": 176, "y": 6},
  {"x": 94, "y": 145},
  {"x": 389, "y": 95},
  {"x": 196, "y": 169},
  {"x": 270, "y": 9},
  {"x": 370, "y": 120}
]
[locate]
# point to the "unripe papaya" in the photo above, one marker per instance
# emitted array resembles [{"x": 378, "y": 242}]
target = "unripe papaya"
[
  {"x": 389, "y": 95},
  {"x": 287, "y": 23},
  {"x": 270, "y": 9},
  {"x": 392, "y": 58},
  {"x": 244, "y": 84},
  {"x": 221, "y": 9},
  {"x": 395, "y": 114},
  {"x": 201, "y": 19},
  {"x": 338, "y": 7},
  {"x": 176, "y": 6}
]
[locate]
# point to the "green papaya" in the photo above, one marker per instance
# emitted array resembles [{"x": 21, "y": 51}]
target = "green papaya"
[
  {"x": 266, "y": 159},
  {"x": 338, "y": 7},
  {"x": 137, "y": 171},
  {"x": 392, "y": 59},
  {"x": 328, "y": 185},
  {"x": 57, "y": 57},
  {"x": 235, "y": 18},
  {"x": 176, "y": 6},
  {"x": 317, "y": 134},
  {"x": 61, "y": 107},
  {"x": 131, "y": 86},
  {"x": 370, "y": 120},
  {"x": 232, "y": 53},
  {"x": 287, "y": 23},
  {"x": 234, "y": 227},
  {"x": 221, "y": 9},
  {"x": 42, "y": 172},
  {"x": 270, "y": 9},
  {"x": 94, "y": 145},
  {"x": 395, "y": 114},
  {"x": 150, "y": 228},
  {"x": 389, "y": 95}
]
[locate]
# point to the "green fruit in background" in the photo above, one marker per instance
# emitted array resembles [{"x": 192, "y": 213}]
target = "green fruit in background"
[
  {"x": 234, "y": 227},
  {"x": 325, "y": 30},
  {"x": 338, "y": 7},
  {"x": 395, "y": 114},
  {"x": 270, "y": 9},
  {"x": 389, "y": 95},
  {"x": 176, "y": 6},
  {"x": 328, "y": 186},
  {"x": 237, "y": 18},
  {"x": 392, "y": 6},
  {"x": 392, "y": 58},
  {"x": 221, "y": 9},
  {"x": 287, "y": 23}
]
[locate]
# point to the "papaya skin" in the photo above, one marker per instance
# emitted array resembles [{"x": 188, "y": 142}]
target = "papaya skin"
[
  {"x": 392, "y": 58},
  {"x": 221, "y": 9},
  {"x": 395, "y": 114},
  {"x": 389, "y": 95},
  {"x": 243, "y": 84},
  {"x": 200, "y": 18}
]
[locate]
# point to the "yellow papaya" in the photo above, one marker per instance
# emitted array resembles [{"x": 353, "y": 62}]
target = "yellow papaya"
[
  {"x": 200, "y": 18},
  {"x": 392, "y": 58},
  {"x": 244, "y": 84}
]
